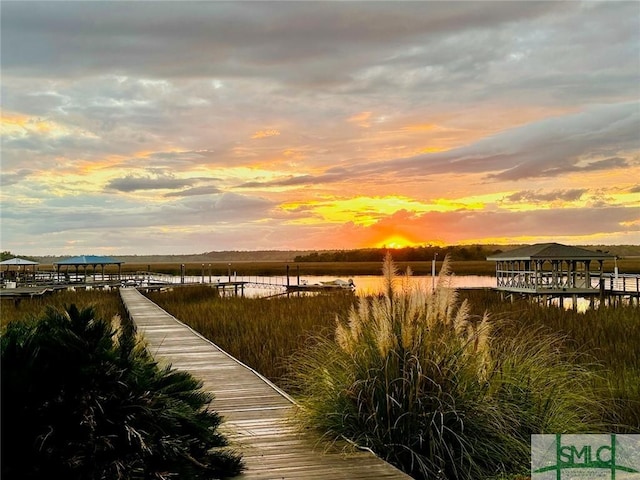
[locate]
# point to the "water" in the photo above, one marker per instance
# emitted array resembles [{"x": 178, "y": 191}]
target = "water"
[
  {"x": 365, "y": 284},
  {"x": 373, "y": 284}
]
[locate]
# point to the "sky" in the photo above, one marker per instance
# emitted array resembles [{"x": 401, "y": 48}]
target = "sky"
[{"x": 173, "y": 127}]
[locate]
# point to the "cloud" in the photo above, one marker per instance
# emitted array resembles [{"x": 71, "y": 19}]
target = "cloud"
[
  {"x": 265, "y": 133},
  {"x": 234, "y": 202},
  {"x": 533, "y": 196},
  {"x": 546, "y": 148},
  {"x": 362, "y": 119},
  {"x": 598, "y": 165},
  {"x": 11, "y": 178},
  {"x": 331, "y": 176},
  {"x": 203, "y": 38},
  {"x": 161, "y": 105},
  {"x": 195, "y": 191},
  {"x": 132, "y": 183},
  {"x": 456, "y": 226},
  {"x": 549, "y": 147}
]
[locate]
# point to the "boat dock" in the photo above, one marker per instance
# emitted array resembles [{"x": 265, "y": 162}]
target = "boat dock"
[
  {"x": 549, "y": 271},
  {"x": 258, "y": 415}
]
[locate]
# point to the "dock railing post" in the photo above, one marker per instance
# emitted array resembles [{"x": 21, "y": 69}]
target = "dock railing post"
[{"x": 433, "y": 272}]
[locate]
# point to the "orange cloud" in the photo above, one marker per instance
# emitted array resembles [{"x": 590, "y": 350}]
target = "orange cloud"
[
  {"x": 362, "y": 119},
  {"x": 13, "y": 124},
  {"x": 424, "y": 127},
  {"x": 266, "y": 133}
]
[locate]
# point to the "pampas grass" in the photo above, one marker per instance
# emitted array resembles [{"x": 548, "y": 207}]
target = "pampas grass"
[{"x": 413, "y": 376}]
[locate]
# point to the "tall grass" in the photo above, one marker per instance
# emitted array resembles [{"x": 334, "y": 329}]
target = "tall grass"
[
  {"x": 606, "y": 339},
  {"x": 105, "y": 303},
  {"x": 261, "y": 332},
  {"x": 279, "y": 268},
  {"x": 265, "y": 333},
  {"x": 415, "y": 377}
]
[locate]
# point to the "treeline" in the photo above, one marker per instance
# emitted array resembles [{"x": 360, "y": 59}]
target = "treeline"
[
  {"x": 7, "y": 255},
  {"x": 407, "y": 254}
]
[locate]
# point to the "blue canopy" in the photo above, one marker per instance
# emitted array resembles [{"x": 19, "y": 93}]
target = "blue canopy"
[{"x": 89, "y": 260}]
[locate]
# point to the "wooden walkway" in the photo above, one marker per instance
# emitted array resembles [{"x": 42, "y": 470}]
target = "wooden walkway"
[{"x": 257, "y": 414}]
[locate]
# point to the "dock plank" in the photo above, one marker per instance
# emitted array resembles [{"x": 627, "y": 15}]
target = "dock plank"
[{"x": 257, "y": 414}]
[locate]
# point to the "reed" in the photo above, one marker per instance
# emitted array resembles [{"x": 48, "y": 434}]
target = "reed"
[
  {"x": 428, "y": 386},
  {"x": 261, "y": 332},
  {"x": 264, "y": 333},
  {"x": 606, "y": 339},
  {"x": 517, "y": 360},
  {"x": 105, "y": 304},
  {"x": 340, "y": 268}
]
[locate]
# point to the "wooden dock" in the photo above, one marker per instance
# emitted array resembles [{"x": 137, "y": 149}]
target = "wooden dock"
[{"x": 257, "y": 414}]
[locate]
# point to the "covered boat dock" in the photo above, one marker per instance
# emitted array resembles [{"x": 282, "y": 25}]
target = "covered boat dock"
[
  {"x": 84, "y": 262},
  {"x": 551, "y": 270}
]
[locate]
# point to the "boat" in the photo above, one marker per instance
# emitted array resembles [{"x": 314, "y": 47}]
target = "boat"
[{"x": 338, "y": 283}]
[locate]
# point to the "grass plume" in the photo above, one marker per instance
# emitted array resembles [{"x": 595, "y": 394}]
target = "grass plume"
[{"x": 420, "y": 381}]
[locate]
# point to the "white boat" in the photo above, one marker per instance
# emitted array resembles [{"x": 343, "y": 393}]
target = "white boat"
[{"x": 338, "y": 283}]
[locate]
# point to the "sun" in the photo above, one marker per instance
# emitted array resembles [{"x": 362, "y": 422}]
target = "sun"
[{"x": 396, "y": 242}]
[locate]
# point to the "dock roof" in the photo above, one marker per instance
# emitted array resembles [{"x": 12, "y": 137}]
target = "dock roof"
[
  {"x": 18, "y": 261},
  {"x": 89, "y": 260},
  {"x": 550, "y": 251}
]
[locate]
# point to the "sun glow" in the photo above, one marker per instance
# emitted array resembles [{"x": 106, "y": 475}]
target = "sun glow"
[{"x": 396, "y": 242}]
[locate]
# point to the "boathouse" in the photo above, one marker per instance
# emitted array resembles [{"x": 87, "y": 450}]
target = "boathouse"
[
  {"x": 550, "y": 269},
  {"x": 10, "y": 278},
  {"x": 86, "y": 261}
]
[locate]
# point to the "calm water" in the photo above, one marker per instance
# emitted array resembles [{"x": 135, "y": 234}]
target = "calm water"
[
  {"x": 365, "y": 284},
  {"x": 368, "y": 284}
]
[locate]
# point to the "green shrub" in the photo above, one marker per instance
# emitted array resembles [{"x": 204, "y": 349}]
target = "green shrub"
[
  {"x": 417, "y": 379},
  {"x": 84, "y": 400}
]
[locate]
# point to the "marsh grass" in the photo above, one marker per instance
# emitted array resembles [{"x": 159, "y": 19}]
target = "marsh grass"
[
  {"x": 105, "y": 304},
  {"x": 279, "y": 268},
  {"x": 606, "y": 340},
  {"x": 261, "y": 332},
  {"x": 266, "y": 333},
  {"x": 417, "y": 378},
  {"x": 281, "y": 337}
]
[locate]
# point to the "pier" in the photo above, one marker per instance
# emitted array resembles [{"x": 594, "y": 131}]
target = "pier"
[
  {"x": 552, "y": 271},
  {"x": 258, "y": 415}
]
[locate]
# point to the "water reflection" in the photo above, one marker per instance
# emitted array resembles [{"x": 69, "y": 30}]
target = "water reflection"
[
  {"x": 374, "y": 284},
  {"x": 365, "y": 284}
]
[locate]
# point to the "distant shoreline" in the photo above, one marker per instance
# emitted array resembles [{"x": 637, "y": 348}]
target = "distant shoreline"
[
  {"x": 339, "y": 269},
  {"x": 630, "y": 252}
]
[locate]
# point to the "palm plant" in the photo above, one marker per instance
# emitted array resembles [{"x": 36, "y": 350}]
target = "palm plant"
[{"x": 84, "y": 400}]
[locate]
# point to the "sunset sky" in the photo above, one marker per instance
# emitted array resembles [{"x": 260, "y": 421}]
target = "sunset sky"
[{"x": 186, "y": 127}]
